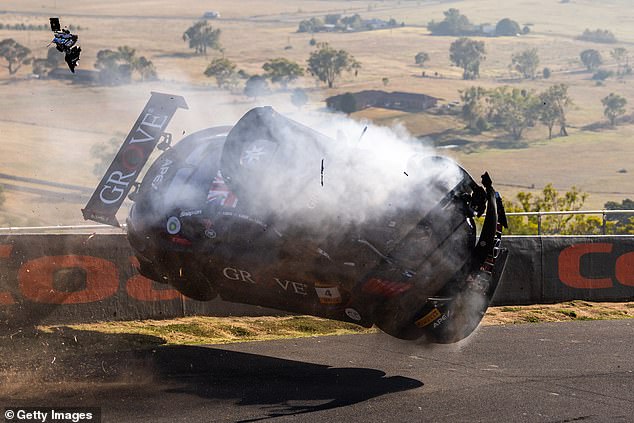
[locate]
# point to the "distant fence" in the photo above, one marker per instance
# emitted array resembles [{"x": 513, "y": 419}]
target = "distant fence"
[
  {"x": 64, "y": 278},
  {"x": 604, "y": 216}
]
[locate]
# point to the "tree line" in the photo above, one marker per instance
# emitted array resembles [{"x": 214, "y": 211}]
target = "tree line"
[
  {"x": 468, "y": 54},
  {"x": 514, "y": 109},
  {"x": 335, "y": 22},
  {"x": 457, "y": 24},
  {"x": 115, "y": 66},
  {"x": 325, "y": 63}
]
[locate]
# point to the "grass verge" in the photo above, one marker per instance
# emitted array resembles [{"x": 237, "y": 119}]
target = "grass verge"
[{"x": 222, "y": 330}]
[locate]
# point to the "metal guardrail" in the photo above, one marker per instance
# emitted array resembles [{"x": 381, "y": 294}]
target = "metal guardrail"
[
  {"x": 62, "y": 229},
  {"x": 603, "y": 213}
]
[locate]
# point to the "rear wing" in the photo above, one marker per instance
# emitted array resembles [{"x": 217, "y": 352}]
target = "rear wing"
[
  {"x": 55, "y": 25},
  {"x": 132, "y": 156}
]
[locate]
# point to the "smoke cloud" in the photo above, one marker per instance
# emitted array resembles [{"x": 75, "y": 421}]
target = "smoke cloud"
[{"x": 342, "y": 170}]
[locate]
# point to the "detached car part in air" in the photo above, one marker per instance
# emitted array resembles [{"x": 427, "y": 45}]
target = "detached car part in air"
[
  {"x": 65, "y": 42},
  {"x": 267, "y": 212}
]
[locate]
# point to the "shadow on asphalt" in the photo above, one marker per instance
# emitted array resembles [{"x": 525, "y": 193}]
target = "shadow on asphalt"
[
  {"x": 127, "y": 374},
  {"x": 282, "y": 387}
]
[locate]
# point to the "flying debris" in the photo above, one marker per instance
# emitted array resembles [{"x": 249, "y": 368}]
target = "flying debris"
[
  {"x": 241, "y": 212},
  {"x": 65, "y": 42}
]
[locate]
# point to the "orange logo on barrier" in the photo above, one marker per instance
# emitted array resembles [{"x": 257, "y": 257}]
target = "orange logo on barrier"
[
  {"x": 570, "y": 267},
  {"x": 625, "y": 269},
  {"x": 37, "y": 279},
  {"x": 97, "y": 278}
]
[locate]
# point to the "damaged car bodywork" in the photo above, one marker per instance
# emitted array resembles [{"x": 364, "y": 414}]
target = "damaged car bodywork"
[{"x": 268, "y": 212}]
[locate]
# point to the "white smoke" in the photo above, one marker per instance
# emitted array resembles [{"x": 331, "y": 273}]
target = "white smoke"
[{"x": 361, "y": 172}]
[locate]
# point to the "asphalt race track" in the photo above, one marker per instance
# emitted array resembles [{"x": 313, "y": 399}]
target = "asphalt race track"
[{"x": 558, "y": 372}]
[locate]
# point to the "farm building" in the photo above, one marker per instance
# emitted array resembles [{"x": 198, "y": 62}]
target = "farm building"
[{"x": 409, "y": 102}]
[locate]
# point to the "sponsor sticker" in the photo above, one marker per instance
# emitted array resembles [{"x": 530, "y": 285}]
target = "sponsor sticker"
[
  {"x": 442, "y": 320},
  {"x": 428, "y": 318},
  {"x": 190, "y": 213},
  {"x": 165, "y": 167},
  {"x": 353, "y": 314},
  {"x": 385, "y": 288},
  {"x": 173, "y": 225},
  {"x": 328, "y": 294}
]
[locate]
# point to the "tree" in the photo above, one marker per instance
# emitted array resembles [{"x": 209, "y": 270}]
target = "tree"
[
  {"x": 552, "y": 108},
  {"x": 467, "y": 54},
  {"x": 619, "y": 54},
  {"x": 327, "y": 64},
  {"x": 299, "y": 98},
  {"x": 614, "y": 106},
  {"x": 15, "y": 54},
  {"x": 256, "y": 86},
  {"x": 591, "y": 59},
  {"x": 507, "y": 27},
  {"x": 623, "y": 223},
  {"x": 310, "y": 25},
  {"x": 513, "y": 109},
  {"x": 526, "y": 63},
  {"x": 112, "y": 69},
  {"x": 551, "y": 200},
  {"x": 54, "y": 59},
  {"x": 146, "y": 69},
  {"x": 354, "y": 22},
  {"x": 201, "y": 35},
  {"x": 222, "y": 69},
  {"x": 598, "y": 36},
  {"x": 454, "y": 24},
  {"x": 546, "y": 73},
  {"x": 474, "y": 108},
  {"x": 143, "y": 66},
  {"x": 116, "y": 67},
  {"x": 282, "y": 71},
  {"x": 421, "y": 57}
]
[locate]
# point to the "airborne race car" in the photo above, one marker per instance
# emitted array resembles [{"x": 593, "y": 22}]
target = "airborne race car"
[
  {"x": 273, "y": 213},
  {"x": 65, "y": 43}
]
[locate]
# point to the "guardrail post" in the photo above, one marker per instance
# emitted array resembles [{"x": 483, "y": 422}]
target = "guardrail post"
[
  {"x": 539, "y": 223},
  {"x": 603, "y": 224}
]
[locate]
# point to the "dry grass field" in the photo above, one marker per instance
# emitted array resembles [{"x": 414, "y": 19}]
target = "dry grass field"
[
  {"x": 223, "y": 330},
  {"x": 48, "y": 127}
]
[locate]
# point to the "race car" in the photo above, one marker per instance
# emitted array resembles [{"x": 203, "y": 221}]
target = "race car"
[
  {"x": 65, "y": 42},
  {"x": 273, "y": 213}
]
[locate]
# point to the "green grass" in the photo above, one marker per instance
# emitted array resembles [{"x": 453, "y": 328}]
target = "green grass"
[
  {"x": 532, "y": 318},
  {"x": 215, "y": 330},
  {"x": 510, "y": 309},
  {"x": 569, "y": 313}
]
